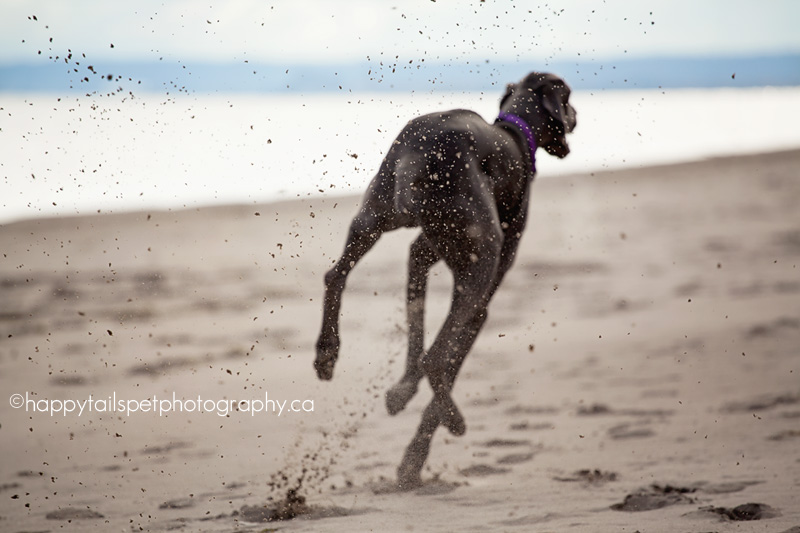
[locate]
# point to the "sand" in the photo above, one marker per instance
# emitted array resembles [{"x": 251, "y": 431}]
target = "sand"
[{"x": 640, "y": 369}]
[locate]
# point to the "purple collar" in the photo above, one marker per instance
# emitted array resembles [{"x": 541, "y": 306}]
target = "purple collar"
[{"x": 521, "y": 124}]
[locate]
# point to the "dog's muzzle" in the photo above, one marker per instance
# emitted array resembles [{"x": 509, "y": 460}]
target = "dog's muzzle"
[{"x": 558, "y": 148}]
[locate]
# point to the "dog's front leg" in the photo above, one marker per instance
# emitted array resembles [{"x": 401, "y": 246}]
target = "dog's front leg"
[
  {"x": 441, "y": 409},
  {"x": 409, "y": 473}
]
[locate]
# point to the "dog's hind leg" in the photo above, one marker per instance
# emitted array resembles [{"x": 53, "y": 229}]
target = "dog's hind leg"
[
  {"x": 511, "y": 237},
  {"x": 365, "y": 230},
  {"x": 421, "y": 258},
  {"x": 447, "y": 353}
]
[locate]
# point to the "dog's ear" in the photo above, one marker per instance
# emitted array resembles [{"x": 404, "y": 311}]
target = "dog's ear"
[
  {"x": 509, "y": 91},
  {"x": 555, "y": 97},
  {"x": 555, "y": 100}
]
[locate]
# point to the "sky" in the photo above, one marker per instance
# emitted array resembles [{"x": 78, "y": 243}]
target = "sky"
[{"x": 402, "y": 31}]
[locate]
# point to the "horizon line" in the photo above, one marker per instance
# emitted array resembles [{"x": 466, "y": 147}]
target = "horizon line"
[{"x": 666, "y": 71}]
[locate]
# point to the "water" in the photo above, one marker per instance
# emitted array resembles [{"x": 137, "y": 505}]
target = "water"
[{"x": 114, "y": 153}]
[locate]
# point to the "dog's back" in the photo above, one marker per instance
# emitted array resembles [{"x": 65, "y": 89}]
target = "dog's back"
[{"x": 435, "y": 153}]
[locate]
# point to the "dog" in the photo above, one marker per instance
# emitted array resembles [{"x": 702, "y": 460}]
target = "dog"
[{"x": 466, "y": 184}]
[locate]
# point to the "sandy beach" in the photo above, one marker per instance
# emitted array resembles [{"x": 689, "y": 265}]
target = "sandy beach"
[{"x": 639, "y": 371}]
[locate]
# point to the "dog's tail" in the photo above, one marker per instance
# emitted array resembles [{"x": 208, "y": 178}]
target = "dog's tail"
[{"x": 412, "y": 174}]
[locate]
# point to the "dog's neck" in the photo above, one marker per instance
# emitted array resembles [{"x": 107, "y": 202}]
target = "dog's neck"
[{"x": 517, "y": 121}]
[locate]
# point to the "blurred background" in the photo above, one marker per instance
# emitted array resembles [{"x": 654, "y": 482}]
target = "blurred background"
[{"x": 110, "y": 107}]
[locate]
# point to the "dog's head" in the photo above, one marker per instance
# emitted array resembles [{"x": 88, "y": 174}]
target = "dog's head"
[{"x": 542, "y": 100}]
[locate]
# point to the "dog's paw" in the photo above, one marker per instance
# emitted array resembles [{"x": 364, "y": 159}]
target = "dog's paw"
[
  {"x": 324, "y": 369},
  {"x": 398, "y": 396},
  {"x": 409, "y": 477},
  {"x": 327, "y": 353},
  {"x": 451, "y": 418},
  {"x": 455, "y": 425}
]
